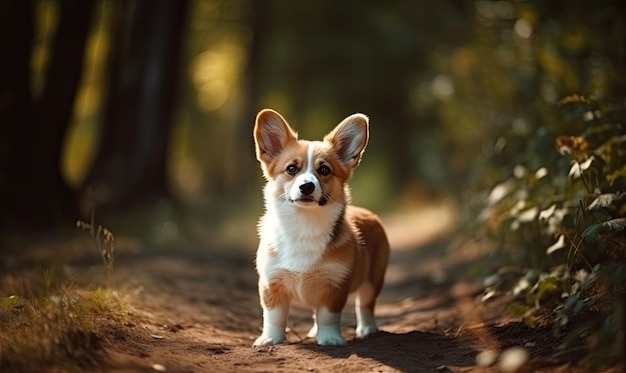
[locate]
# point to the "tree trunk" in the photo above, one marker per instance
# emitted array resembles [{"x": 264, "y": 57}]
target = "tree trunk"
[
  {"x": 33, "y": 186},
  {"x": 130, "y": 166},
  {"x": 252, "y": 88},
  {"x": 16, "y": 36}
]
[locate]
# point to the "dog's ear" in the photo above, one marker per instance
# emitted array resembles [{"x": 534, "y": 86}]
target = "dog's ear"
[
  {"x": 271, "y": 134},
  {"x": 349, "y": 139}
]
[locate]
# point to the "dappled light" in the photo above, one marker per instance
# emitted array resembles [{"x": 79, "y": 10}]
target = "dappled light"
[
  {"x": 215, "y": 73},
  {"x": 81, "y": 140}
]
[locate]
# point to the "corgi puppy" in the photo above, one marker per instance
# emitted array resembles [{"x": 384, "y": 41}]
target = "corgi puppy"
[{"x": 315, "y": 248}]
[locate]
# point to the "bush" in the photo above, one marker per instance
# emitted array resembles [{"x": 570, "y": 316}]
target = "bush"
[{"x": 568, "y": 219}]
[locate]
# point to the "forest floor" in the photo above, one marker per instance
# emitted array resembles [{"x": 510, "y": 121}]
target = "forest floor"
[{"x": 197, "y": 310}]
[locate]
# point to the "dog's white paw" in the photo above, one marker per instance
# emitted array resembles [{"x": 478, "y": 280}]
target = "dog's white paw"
[
  {"x": 265, "y": 340},
  {"x": 330, "y": 338}
]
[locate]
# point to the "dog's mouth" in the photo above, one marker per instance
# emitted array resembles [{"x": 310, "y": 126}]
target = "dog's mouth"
[
  {"x": 304, "y": 199},
  {"x": 307, "y": 200}
]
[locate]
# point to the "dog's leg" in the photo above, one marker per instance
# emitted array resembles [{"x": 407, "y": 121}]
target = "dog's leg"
[
  {"x": 274, "y": 324},
  {"x": 364, "y": 304},
  {"x": 275, "y": 302},
  {"x": 313, "y": 331},
  {"x": 328, "y": 327}
]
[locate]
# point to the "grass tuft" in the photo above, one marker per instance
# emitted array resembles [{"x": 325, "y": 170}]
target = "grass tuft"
[
  {"x": 49, "y": 325},
  {"x": 55, "y": 329}
]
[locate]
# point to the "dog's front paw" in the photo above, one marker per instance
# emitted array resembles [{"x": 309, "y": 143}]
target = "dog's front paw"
[
  {"x": 330, "y": 338},
  {"x": 265, "y": 340}
]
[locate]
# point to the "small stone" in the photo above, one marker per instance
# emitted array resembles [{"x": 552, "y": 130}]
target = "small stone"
[
  {"x": 513, "y": 359},
  {"x": 486, "y": 358}
]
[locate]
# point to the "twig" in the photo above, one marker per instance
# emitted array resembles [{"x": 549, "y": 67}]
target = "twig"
[{"x": 105, "y": 243}]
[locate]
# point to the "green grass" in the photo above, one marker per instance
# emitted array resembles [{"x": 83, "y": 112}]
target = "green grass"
[
  {"x": 49, "y": 324},
  {"x": 54, "y": 328}
]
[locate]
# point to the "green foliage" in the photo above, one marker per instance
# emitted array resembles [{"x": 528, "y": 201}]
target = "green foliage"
[
  {"x": 571, "y": 224},
  {"x": 536, "y": 129}
]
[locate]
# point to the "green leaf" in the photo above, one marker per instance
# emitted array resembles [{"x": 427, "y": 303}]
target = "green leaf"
[
  {"x": 546, "y": 285},
  {"x": 590, "y": 234},
  {"x": 518, "y": 308},
  {"x": 544, "y": 215},
  {"x": 604, "y": 200},
  {"x": 559, "y": 244},
  {"x": 573, "y": 304},
  {"x": 500, "y": 191},
  {"x": 530, "y": 320},
  {"x": 578, "y": 168},
  {"x": 612, "y": 176},
  {"x": 9, "y": 302},
  {"x": 574, "y": 99}
]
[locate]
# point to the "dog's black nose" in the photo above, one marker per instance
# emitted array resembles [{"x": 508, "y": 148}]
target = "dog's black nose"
[{"x": 307, "y": 188}]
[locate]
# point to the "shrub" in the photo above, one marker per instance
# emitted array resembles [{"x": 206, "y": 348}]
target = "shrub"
[{"x": 566, "y": 221}]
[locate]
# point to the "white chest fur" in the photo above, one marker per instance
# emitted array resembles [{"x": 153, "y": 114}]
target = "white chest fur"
[
  {"x": 291, "y": 250},
  {"x": 298, "y": 237}
]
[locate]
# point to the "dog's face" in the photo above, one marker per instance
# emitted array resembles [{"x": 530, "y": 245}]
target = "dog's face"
[{"x": 309, "y": 173}]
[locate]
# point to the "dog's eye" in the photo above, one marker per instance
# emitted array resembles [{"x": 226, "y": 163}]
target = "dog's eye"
[
  {"x": 324, "y": 170},
  {"x": 292, "y": 169}
]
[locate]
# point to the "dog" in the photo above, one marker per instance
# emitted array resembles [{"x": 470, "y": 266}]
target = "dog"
[{"x": 314, "y": 247}]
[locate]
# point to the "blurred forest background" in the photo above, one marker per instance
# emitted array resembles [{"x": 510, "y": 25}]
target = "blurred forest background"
[
  {"x": 112, "y": 104},
  {"x": 513, "y": 108}
]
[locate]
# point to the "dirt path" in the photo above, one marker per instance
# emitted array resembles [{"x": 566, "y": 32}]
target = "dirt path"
[
  {"x": 196, "y": 310},
  {"x": 188, "y": 319}
]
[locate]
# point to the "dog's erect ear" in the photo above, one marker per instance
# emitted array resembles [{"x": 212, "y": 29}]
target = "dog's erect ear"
[
  {"x": 349, "y": 139},
  {"x": 271, "y": 134}
]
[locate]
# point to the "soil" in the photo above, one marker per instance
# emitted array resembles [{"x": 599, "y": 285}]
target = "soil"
[{"x": 196, "y": 309}]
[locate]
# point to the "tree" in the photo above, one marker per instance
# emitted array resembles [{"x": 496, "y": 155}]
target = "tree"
[
  {"x": 31, "y": 184},
  {"x": 141, "y": 99},
  {"x": 144, "y": 68}
]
